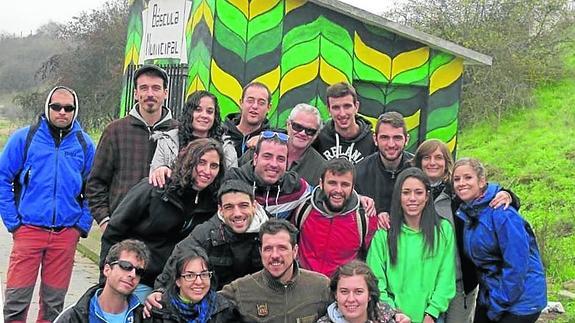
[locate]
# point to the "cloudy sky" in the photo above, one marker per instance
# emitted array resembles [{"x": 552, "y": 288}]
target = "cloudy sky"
[{"x": 23, "y": 17}]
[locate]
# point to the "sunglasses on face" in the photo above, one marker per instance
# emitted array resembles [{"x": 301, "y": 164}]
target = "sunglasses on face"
[
  {"x": 299, "y": 128},
  {"x": 56, "y": 107},
  {"x": 127, "y": 266},
  {"x": 191, "y": 276},
  {"x": 270, "y": 134}
]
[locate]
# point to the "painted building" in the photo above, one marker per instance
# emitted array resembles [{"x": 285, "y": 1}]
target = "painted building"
[{"x": 298, "y": 48}]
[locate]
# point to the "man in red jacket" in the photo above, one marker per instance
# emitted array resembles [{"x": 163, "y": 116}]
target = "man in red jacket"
[{"x": 334, "y": 229}]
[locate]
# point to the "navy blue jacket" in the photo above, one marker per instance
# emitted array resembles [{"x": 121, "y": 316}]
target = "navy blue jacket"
[
  {"x": 52, "y": 179},
  {"x": 502, "y": 245}
]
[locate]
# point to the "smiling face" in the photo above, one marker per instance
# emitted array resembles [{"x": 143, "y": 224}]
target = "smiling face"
[
  {"x": 466, "y": 183},
  {"x": 352, "y": 297},
  {"x": 254, "y": 106},
  {"x": 198, "y": 288},
  {"x": 343, "y": 110},
  {"x": 278, "y": 255},
  {"x": 270, "y": 163},
  {"x": 390, "y": 142},
  {"x": 337, "y": 188},
  {"x": 413, "y": 197},
  {"x": 203, "y": 117},
  {"x": 433, "y": 165},
  {"x": 238, "y": 211},
  {"x": 206, "y": 170},
  {"x": 299, "y": 139},
  {"x": 120, "y": 281},
  {"x": 150, "y": 94}
]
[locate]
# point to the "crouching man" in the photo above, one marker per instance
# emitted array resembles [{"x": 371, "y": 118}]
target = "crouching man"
[{"x": 114, "y": 303}]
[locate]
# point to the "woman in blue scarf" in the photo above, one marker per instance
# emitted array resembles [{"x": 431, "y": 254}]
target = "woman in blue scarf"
[{"x": 190, "y": 296}]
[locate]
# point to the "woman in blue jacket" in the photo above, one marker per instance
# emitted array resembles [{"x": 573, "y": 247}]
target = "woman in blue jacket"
[{"x": 502, "y": 245}]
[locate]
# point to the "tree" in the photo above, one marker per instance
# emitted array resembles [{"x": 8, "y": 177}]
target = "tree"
[{"x": 524, "y": 38}]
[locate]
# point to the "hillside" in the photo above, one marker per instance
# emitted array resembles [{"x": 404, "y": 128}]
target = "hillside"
[{"x": 533, "y": 153}]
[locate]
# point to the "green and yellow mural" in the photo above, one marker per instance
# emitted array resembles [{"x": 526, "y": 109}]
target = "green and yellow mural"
[{"x": 298, "y": 48}]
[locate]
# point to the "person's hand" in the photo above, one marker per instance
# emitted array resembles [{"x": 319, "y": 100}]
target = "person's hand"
[
  {"x": 252, "y": 142},
  {"x": 383, "y": 221},
  {"x": 428, "y": 319},
  {"x": 103, "y": 226},
  {"x": 368, "y": 205},
  {"x": 159, "y": 176},
  {"x": 402, "y": 318},
  {"x": 153, "y": 300},
  {"x": 501, "y": 198}
]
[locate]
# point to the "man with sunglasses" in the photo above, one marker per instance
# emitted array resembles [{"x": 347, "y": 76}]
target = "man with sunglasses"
[
  {"x": 127, "y": 146},
  {"x": 42, "y": 173},
  {"x": 278, "y": 190},
  {"x": 114, "y": 302},
  {"x": 303, "y": 125}
]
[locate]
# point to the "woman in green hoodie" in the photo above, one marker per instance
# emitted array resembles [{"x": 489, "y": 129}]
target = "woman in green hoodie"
[{"x": 414, "y": 260}]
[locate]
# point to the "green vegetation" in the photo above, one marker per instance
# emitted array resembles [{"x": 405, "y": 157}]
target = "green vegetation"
[{"x": 533, "y": 153}]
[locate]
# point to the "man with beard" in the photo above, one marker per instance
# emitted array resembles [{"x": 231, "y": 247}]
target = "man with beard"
[
  {"x": 230, "y": 238},
  {"x": 334, "y": 229},
  {"x": 347, "y": 134},
  {"x": 379, "y": 170},
  {"x": 281, "y": 292},
  {"x": 126, "y": 149},
  {"x": 251, "y": 120}
]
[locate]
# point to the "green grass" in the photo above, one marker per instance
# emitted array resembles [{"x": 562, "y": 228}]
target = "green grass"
[{"x": 533, "y": 153}]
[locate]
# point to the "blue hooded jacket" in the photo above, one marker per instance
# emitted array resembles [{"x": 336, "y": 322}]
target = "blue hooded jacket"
[{"x": 502, "y": 245}]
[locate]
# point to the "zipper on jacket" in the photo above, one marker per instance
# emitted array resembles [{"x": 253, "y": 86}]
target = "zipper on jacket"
[{"x": 57, "y": 144}]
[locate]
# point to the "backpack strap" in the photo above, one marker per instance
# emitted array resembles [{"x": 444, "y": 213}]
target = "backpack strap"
[
  {"x": 29, "y": 136},
  {"x": 362, "y": 221}
]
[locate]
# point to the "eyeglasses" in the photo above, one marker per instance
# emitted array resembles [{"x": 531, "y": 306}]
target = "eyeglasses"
[
  {"x": 127, "y": 266},
  {"x": 298, "y": 128},
  {"x": 56, "y": 107},
  {"x": 270, "y": 134},
  {"x": 191, "y": 276}
]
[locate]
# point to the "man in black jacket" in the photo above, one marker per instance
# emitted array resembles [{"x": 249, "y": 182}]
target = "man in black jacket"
[
  {"x": 230, "y": 238},
  {"x": 377, "y": 172}
]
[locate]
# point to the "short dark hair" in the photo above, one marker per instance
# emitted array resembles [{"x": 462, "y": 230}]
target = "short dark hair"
[
  {"x": 339, "y": 90},
  {"x": 260, "y": 85},
  {"x": 395, "y": 119},
  {"x": 339, "y": 166},
  {"x": 235, "y": 186},
  {"x": 129, "y": 245},
  {"x": 274, "y": 226},
  {"x": 152, "y": 70}
]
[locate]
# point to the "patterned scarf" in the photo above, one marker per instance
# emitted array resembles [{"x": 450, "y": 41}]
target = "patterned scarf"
[{"x": 196, "y": 313}]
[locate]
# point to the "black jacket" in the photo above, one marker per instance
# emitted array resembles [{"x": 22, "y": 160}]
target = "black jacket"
[
  {"x": 158, "y": 217},
  {"x": 375, "y": 181},
  {"x": 231, "y": 255},
  {"x": 225, "y": 311},
  {"x": 236, "y": 136},
  {"x": 331, "y": 145}
]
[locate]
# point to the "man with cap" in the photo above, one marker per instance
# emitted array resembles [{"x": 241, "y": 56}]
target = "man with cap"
[
  {"x": 42, "y": 173},
  {"x": 126, "y": 149}
]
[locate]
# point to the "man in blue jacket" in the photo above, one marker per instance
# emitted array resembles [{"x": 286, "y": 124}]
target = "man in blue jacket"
[{"x": 42, "y": 173}]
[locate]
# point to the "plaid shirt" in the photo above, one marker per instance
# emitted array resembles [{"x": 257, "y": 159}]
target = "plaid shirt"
[{"x": 123, "y": 158}]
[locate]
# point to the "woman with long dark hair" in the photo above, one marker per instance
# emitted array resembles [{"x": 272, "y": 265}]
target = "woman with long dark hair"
[
  {"x": 414, "y": 260},
  {"x": 191, "y": 295},
  {"x": 502, "y": 245},
  {"x": 162, "y": 217},
  {"x": 200, "y": 119},
  {"x": 354, "y": 288}
]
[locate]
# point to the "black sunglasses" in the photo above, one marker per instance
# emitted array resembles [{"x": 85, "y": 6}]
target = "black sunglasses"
[
  {"x": 127, "y": 266},
  {"x": 298, "y": 127},
  {"x": 57, "y": 107}
]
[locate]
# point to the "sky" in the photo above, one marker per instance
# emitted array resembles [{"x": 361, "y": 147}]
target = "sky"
[{"x": 21, "y": 17}]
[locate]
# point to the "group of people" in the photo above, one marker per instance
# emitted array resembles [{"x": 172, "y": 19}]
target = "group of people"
[{"x": 211, "y": 220}]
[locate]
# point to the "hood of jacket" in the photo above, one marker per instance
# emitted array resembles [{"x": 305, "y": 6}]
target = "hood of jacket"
[
  {"x": 318, "y": 200},
  {"x": 47, "y": 109},
  {"x": 166, "y": 116},
  {"x": 335, "y": 314},
  {"x": 470, "y": 211},
  {"x": 232, "y": 121},
  {"x": 288, "y": 183}
]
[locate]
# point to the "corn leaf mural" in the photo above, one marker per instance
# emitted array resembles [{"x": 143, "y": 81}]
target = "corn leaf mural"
[
  {"x": 133, "y": 44},
  {"x": 298, "y": 48}
]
